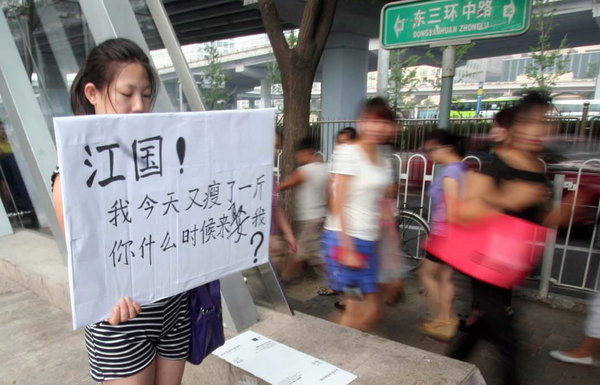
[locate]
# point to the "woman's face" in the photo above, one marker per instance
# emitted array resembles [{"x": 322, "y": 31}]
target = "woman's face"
[
  {"x": 343, "y": 138},
  {"x": 433, "y": 150},
  {"x": 530, "y": 131},
  {"x": 375, "y": 131},
  {"x": 129, "y": 92},
  {"x": 498, "y": 134}
]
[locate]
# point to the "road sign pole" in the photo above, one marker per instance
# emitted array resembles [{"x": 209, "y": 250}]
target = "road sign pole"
[
  {"x": 383, "y": 67},
  {"x": 448, "y": 67}
]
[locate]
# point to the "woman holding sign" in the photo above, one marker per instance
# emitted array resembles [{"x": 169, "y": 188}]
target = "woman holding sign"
[
  {"x": 361, "y": 174},
  {"x": 136, "y": 345}
]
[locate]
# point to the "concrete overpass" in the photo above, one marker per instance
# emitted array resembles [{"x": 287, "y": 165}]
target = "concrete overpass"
[{"x": 356, "y": 21}]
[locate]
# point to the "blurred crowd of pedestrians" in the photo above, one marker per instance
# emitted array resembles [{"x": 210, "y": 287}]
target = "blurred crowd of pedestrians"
[{"x": 489, "y": 225}]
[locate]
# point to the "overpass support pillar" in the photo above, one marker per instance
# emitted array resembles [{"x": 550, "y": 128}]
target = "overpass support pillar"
[
  {"x": 265, "y": 93},
  {"x": 344, "y": 83}
]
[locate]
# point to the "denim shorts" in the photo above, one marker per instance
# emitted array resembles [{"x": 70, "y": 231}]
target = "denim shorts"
[{"x": 343, "y": 278}]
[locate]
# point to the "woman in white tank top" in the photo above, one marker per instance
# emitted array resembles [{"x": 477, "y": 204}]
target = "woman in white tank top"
[{"x": 361, "y": 175}]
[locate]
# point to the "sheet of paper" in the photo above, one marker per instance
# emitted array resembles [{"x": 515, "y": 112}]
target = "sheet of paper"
[
  {"x": 156, "y": 204},
  {"x": 279, "y": 364}
]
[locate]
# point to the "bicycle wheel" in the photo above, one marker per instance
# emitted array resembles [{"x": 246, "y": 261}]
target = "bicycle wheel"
[{"x": 413, "y": 230}]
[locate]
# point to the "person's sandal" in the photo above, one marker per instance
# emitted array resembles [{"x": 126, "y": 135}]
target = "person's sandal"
[
  {"x": 564, "y": 357},
  {"x": 443, "y": 330},
  {"x": 339, "y": 305},
  {"x": 325, "y": 291}
]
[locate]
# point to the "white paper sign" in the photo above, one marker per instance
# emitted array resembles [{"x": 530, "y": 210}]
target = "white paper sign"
[
  {"x": 279, "y": 364},
  {"x": 156, "y": 204}
]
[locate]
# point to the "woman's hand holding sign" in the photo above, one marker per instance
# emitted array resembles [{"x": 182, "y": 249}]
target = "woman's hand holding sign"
[{"x": 125, "y": 310}]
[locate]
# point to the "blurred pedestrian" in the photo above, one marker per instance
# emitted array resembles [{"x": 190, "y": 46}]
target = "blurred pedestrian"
[
  {"x": 584, "y": 353},
  {"x": 310, "y": 208},
  {"x": 447, "y": 151},
  {"x": 392, "y": 268},
  {"x": 361, "y": 175},
  {"x": 346, "y": 135},
  {"x": 514, "y": 183}
]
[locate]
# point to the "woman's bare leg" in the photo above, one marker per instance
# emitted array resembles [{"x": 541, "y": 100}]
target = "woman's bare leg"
[
  {"x": 145, "y": 377},
  {"x": 372, "y": 311},
  {"x": 352, "y": 315},
  {"x": 447, "y": 293},
  {"x": 169, "y": 372},
  {"x": 428, "y": 274}
]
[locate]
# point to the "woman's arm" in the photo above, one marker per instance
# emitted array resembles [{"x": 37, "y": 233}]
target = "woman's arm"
[
  {"x": 293, "y": 180},
  {"x": 58, "y": 204},
  {"x": 483, "y": 197},
  {"x": 338, "y": 200},
  {"x": 451, "y": 189},
  {"x": 286, "y": 229},
  {"x": 517, "y": 195}
]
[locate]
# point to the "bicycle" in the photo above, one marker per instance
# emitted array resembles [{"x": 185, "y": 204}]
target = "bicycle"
[{"x": 413, "y": 230}]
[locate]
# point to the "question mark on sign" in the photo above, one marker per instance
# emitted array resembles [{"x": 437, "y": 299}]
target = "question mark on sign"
[{"x": 262, "y": 238}]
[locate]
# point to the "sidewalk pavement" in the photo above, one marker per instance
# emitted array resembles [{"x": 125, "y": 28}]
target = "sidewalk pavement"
[
  {"x": 38, "y": 346},
  {"x": 37, "y": 342},
  {"x": 540, "y": 328}
]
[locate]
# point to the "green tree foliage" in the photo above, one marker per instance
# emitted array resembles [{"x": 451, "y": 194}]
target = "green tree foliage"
[
  {"x": 273, "y": 74},
  {"x": 403, "y": 80},
  {"x": 298, "y": 65},
  {"x": 214, "y": 90},
  {"x": 547, "y": 63}
]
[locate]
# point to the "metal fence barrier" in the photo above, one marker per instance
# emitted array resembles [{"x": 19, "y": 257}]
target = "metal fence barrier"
[{"x": 411, "y": 132}]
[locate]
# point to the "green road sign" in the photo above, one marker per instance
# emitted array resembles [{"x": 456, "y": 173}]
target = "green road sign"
[{"x": 423, "y": 22}]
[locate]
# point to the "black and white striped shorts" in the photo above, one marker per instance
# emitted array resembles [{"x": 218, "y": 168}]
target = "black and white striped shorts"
[{"x": 120, "y": 351}]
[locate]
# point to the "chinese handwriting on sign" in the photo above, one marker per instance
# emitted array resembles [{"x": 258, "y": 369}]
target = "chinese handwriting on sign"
[
  {"x": 219, "y": 218},
  {"x": 147, "y": 160}
]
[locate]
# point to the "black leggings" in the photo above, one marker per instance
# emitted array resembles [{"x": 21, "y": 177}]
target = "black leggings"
[{"x": 495, "y": 325}]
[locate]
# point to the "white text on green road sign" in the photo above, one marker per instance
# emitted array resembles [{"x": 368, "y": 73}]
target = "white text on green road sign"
[{"x": 424, "y": 22}]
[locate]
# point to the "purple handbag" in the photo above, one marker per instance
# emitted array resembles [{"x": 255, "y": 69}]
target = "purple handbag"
[{"x": 207, "y": 321}]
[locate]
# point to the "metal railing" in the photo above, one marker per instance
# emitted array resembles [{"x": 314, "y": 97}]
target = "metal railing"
[
  {"x": 411, "y": 132},
  {"x": 585, "y": 252}
]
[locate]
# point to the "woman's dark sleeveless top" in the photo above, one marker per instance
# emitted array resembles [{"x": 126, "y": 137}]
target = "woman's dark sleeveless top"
[{"x": 500, "y": 171}]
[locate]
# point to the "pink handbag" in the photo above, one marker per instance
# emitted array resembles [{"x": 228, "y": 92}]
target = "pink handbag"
[{"x": 500, "y": 249}]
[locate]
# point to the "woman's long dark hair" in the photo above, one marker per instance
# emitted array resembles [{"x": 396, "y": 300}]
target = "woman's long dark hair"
[{"x": 100, "y": 69}]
